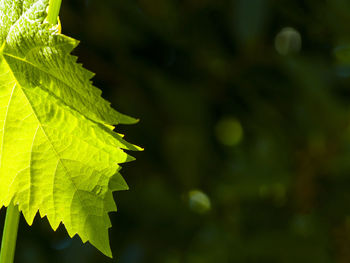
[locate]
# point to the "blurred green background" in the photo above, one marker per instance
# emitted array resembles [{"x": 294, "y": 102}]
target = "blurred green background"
[{"x": 245, "y": 120}]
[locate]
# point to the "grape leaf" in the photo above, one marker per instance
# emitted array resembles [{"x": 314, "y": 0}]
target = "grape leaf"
[{"x": 59, "y": 154}]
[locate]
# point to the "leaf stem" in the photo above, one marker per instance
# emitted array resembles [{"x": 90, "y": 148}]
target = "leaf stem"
[
  {"x": 54, "y": 9},
  {"x": 9, "y": 236}
]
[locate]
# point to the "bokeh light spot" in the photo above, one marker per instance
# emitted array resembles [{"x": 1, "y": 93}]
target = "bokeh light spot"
[
  {"x": 288, "y": 41},
  {"x": 199, "y": 202},
  {"x": 229, "y": 131}
]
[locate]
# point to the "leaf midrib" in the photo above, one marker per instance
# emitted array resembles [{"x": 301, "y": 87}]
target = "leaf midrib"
[{"x": 51, "y": 75}]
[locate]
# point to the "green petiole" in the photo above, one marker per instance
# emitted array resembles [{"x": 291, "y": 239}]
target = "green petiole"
[
  {"x": 9, "y": 236},
  {"x": 54, "y": 9}
]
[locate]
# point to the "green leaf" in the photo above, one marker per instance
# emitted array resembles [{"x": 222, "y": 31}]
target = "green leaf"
[{"x": 58, "y": 152}]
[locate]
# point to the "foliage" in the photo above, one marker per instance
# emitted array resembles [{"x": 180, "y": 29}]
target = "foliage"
[
  {"x": 59, "y": 153},
  {"x": 188, "y": 69}
]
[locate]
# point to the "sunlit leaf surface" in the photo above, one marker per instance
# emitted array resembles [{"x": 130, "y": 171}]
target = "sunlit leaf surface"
[{"x": 58, "y": 152}]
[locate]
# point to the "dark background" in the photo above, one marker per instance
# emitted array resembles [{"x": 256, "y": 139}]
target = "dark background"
[{"x": 245, "y": 121}]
